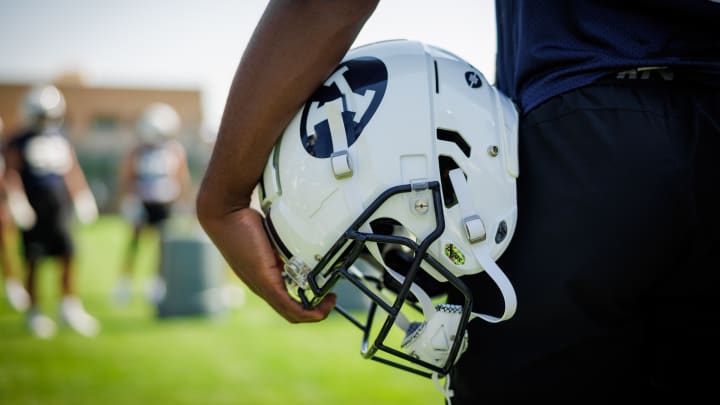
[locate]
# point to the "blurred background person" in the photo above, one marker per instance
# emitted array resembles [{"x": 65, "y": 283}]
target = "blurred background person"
[
  {"x": 15, "y": 292},
  {"x": 154, "y": 180},
  {"x": 41, "y": 164}
]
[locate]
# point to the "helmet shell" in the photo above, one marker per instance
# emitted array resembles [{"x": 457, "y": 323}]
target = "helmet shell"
[
  {"x": 408, "y": 113},
  {"x": 43, "y": 105},
  {"x": 158, "y": 122}
]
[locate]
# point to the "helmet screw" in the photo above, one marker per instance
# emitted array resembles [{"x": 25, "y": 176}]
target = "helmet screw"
[
  {"x": 421, "y": 206},
  {"x": 493, "y": 150}
]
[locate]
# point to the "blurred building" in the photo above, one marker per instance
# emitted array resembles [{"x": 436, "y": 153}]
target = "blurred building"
[
  {"x": 105, "y": 116},
  {"x": 100, "y": 122}
]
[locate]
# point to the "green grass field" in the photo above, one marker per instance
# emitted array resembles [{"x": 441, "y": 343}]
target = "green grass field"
[{"x": 248, "y": 355}]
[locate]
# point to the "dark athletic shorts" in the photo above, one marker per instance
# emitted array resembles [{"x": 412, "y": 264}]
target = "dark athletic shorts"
[
  {"x": 155, "y": 213},
  {"x": 616, "y": 256},
  {"x": 51, "y": 235}
]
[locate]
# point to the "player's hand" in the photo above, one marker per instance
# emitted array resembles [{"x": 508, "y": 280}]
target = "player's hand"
[
  {"x": 20, "y": 209},
  {"x": 86, "y": 209},
  {"x": 241, "y": 238}
]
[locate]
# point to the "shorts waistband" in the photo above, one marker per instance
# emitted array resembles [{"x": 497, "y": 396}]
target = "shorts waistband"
[{"x": 662, "y": 74}]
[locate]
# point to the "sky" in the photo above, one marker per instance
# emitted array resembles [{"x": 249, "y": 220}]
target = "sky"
[{"x": 198, "y": 43}]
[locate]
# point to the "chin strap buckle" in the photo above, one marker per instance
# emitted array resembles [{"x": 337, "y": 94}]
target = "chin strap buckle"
[{"x": 474, "y": 229}]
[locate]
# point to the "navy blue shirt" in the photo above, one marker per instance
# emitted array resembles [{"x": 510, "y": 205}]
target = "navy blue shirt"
[
  {"x": 46, "y": 157},
  {"x": 548, "y": 47}
]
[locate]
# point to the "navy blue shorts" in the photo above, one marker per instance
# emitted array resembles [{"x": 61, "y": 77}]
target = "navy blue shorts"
[
  {"x": 51, "y": 235},
  {"x": 616, "y": 255},
  {"x": 156, "y": 213}
]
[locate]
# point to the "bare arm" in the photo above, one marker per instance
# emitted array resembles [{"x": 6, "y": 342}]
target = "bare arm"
[
  {"x": 126, "y": 173},
  {"x": 183, "y": 173},
  {"x": 75, "y": 178},
  {"x": 295, "y": 46},
  {"x": 83, "y": 199},
  {"x": 20, "y": 209},
  {"x": 13, "y": 167}
]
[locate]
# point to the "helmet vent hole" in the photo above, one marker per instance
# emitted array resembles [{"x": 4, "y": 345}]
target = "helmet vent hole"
[
  {"x": 447, "y": 164},
  {"x": 454, "y": 137}
]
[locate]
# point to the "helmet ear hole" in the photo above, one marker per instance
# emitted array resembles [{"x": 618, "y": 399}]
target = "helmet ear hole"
[
  {"x": 399, "y": 258},
  {"x": 396, "y": 256}
]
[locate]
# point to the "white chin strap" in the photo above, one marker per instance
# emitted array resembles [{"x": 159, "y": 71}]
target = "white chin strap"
[{"x": 479, "y": 244}]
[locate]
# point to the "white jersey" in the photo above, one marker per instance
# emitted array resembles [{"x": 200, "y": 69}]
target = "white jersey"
[{"x": 156, "y": 174}]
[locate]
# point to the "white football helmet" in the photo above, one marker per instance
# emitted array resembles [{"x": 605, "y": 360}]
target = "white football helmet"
[
  {"x": 158, "y": 122},
  {"x": 398, "y": 174},
  {"x": 43, "y": 105}
]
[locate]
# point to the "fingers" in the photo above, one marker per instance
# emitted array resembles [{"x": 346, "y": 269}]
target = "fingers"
[
  {"x": 241, "y": 238},
  {"x": 294, "y": 312}
]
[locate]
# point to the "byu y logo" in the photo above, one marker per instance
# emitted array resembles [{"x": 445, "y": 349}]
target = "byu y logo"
[{"x": 359, "y": 84}]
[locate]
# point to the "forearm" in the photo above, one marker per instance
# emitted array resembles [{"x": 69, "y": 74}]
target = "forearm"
[
  {"x": 295, "y": 46},
  {"x": 293, "y": 49},
  {"x": 126, "y": 175},
  {"x": 83, "y": 199}
]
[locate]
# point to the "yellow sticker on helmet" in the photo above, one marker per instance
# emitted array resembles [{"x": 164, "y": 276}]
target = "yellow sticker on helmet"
[{"x": 454, "y": 254}]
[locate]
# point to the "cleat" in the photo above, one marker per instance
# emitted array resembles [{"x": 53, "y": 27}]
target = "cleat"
[
  {"x": 155, "y": 290},
  {"x": 16, "y": 295},
  {"x": 73, "y": 314},
  {"x": 40, "y": 325},
  {"x": 122, "y": 292}
]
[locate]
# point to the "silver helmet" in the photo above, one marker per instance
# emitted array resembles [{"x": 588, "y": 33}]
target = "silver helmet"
[
  {"x": 158, "y": 122},
  {"x": 43, "y": 105}
]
